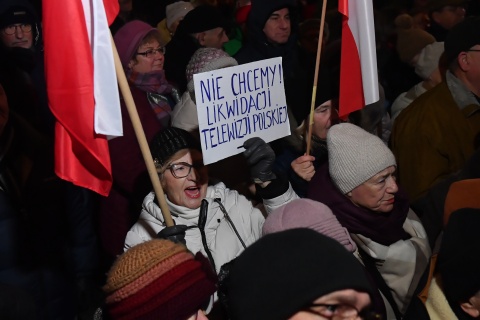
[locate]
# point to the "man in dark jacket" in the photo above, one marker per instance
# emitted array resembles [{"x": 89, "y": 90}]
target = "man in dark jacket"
[{"x": 272, "y": 32}]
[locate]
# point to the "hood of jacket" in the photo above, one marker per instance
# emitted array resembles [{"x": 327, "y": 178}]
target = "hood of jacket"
[{"x": 259, "y": 14}]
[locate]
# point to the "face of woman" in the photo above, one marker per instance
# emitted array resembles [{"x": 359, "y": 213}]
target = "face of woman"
[
  {"x": 190, "y": 190},
  {"x": 341, "y": 304},
  {"x": 149, "y": 57},
  {"x": 377, "y": 193},
  {"x": 322, "y": 119}
]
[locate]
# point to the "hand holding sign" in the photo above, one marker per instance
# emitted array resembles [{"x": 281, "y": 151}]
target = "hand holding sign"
[
  {"x": 237, "y": 103},
  {"x": 260, "y": 158}
]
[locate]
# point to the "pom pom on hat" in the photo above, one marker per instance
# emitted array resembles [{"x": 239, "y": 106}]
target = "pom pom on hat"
[
  {"x": 158, "y": 279},
  {"x": 207, "y": 59},
  {"x": 354, "y": 156},
  {"x": 410, "y": 40},
  {"x": 168, "y": 142},
  {"x": 306, "y": 213},
  {"x": 177, "y": 10}
]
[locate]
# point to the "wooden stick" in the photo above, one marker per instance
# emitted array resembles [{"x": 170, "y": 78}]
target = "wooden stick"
[
  {"x": 142, "y": 140},
  {"x": 317, "y": 64}
]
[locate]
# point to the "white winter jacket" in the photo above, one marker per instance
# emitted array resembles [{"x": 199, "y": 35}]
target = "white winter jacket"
[{"x": 221, "y": 238}]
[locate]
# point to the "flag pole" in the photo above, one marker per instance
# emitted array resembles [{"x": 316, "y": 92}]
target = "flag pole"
[
  {"x": 142, "y": 140},
  {"x": 315, "y": 80}
]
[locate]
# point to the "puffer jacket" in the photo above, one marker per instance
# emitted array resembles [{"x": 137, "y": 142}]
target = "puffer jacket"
[{"x": 222, "y": 240}]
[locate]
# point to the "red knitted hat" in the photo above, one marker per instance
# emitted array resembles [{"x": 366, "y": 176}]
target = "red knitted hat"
[{"x": 158, "y": 279}]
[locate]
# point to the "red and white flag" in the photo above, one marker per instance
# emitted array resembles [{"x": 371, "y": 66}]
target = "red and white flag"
[
  {"x": 82, "y": 88},
  {"x": 358, "y": 66}
]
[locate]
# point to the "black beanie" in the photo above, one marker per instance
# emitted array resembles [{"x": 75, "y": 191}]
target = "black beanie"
[
  {"x": 459, "y": 256},
  {"x": 283, "y": 272},
  {"x": 16, "y": 14},
  {"x": 202, "y": 18},
  {"x": 462, "y": 37},
  {"x": 168, "y": 142}
]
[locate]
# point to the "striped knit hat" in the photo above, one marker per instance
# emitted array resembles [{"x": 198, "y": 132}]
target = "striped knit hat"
[{"x": 158, "y": 279}]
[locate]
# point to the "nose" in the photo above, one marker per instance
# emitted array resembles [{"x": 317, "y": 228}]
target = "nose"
[
  {"x": 392, "y": 186},
  {"x": 284, "y": 23},
  {"x": 18, "y": 32},
  {"x": 224, "y": 38},
  {"x": 201, "y": 315}
]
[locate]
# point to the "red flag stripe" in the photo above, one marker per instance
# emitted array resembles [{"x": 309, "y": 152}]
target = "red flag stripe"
[{"x": 80, "y": 156}]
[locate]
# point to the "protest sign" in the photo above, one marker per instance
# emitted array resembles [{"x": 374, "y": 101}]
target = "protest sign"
[{"x": 238, "y": 103}]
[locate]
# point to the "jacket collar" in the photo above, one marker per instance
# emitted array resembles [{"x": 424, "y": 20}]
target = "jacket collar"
[{"x": 462, "y": 96}]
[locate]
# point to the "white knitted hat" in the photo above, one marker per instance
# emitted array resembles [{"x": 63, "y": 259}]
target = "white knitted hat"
[
  {"x": 354, "y": 156},
  {"x": 176, "y": 11},
  {"x": 428, "y": 59},
  {"x": 207, "y": 59}
]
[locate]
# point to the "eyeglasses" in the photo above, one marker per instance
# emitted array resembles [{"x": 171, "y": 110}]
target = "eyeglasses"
[
  {"x": 182, "y": 169},
  {"x": 12, "y": 29},
  {"x": 340, "y": 312},
  {"x": 151, "y": 52}
]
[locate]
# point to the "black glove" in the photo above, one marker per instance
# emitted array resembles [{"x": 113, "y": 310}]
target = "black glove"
[
  {"x": 174, "y": 233},
  {"x": 260, "y": 158}
]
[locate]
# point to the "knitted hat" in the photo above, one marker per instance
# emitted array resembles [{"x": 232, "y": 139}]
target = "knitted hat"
[
  {"x": 462, "y": 37},
  {"x": 354, "y": 156},
  {"x": 158, "y": 279},
  {"x": 207, "y": 59},
  {"x": 177, "y": 10},
  {"x": 459, "y": 257},
  {"x": 16, "y": 14},
  {"x": 282, "y": 272},
  {"x": 168, "y": 142},
  {"x": 128, "y": 38},
  {"x": 428, "y": 59},
  {"x": 410, "y": 40},
  {"x": 202, "y": 18},
  {"x": 306, "y": 213}
]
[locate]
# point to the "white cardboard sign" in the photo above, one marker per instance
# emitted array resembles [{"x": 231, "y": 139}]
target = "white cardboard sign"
[{"x": 238, "y": 103}]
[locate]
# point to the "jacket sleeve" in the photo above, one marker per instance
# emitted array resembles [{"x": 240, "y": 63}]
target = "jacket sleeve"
[{"x": 276, "y": 194}]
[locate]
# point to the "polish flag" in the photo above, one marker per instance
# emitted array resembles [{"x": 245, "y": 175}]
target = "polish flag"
[
  {"x": 82, "y": 88},
  {"x": 358, "y": 66}
]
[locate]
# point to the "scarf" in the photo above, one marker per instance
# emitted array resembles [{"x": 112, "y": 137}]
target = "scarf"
[
  {"x": 156, "y": 86},
  {"x": 383, "y": 228}
]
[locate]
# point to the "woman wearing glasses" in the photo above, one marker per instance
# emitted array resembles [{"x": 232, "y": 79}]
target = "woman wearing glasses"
[
  {"x": 141, "y": 52},
  {"x": 218, "y": 222}
]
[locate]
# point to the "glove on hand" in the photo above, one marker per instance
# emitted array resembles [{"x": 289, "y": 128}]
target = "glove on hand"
[
  {"x": 260, "y": 158},
  {"x": 174, "y": 233}
]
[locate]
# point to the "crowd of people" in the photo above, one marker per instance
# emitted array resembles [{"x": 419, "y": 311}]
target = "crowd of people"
[{"x": 376, "y": 220}]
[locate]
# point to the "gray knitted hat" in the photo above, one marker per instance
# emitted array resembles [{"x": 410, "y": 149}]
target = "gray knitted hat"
[
  {"x": 207, "y": 59},
  {"x": 354, "y": 156}
]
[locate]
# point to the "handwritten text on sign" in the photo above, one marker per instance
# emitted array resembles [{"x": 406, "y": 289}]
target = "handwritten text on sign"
[{"x": 237, "y": 103}]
